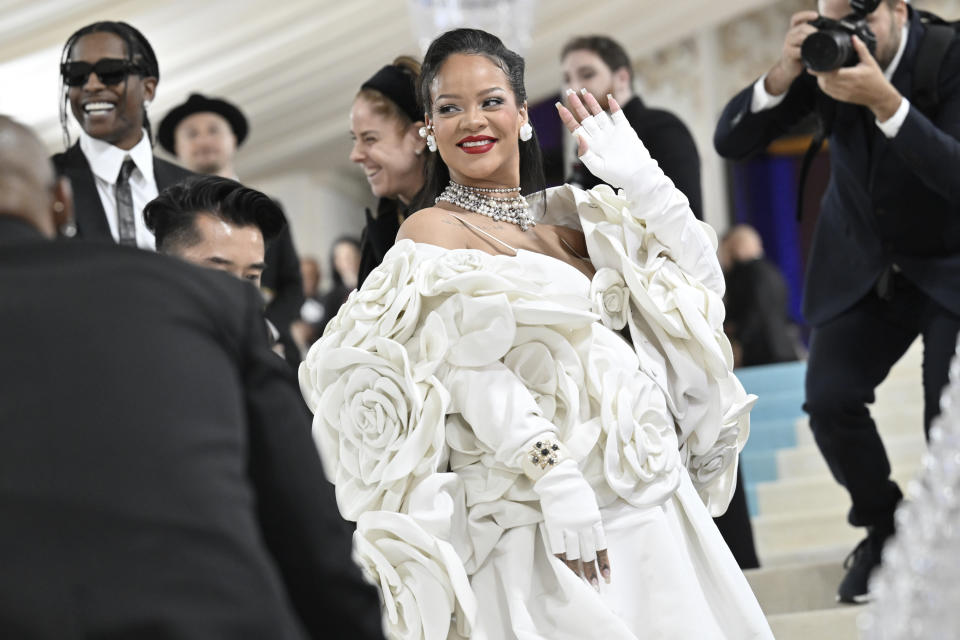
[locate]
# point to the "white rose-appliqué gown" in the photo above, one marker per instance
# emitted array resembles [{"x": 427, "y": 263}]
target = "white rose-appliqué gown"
[{"x": 436, "y": 376}]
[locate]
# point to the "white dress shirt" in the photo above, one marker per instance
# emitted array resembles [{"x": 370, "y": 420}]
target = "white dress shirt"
[
  {"x": 762, "y": 99},
  {"x": 105, "y": 161}
]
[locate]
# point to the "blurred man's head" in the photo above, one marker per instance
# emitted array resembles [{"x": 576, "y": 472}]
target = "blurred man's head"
[
  {"x": 741, "y": 243},
  {"x": 599, "y": 65},
  {"x": 29, "y": 189},
  {"x": 215, "y": 222},
  {"x": 204, "y": 133}
]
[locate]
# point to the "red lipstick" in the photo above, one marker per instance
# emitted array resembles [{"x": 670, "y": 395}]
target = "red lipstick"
[{"x": 477, "y": 144}]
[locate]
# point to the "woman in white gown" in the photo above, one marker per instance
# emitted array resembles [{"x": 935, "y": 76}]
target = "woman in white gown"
[{"x": 516, "y": 468}]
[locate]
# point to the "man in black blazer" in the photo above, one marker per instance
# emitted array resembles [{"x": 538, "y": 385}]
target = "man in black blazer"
[
  {"x": 158, "y": 478},
  {"x": 885, "y": 262},
  {"x": 601, "y": 66},
  {"x": 205, "y": 134},
  {"x": 110, "y": 76}
]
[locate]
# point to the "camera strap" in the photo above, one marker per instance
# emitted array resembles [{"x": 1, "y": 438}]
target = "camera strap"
[
  {"x": 826, "y": 108},
  {"x": 925, "y": 94}
]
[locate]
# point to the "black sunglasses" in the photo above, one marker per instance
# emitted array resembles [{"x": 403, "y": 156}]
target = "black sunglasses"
[{"x": 109, "y": 70}]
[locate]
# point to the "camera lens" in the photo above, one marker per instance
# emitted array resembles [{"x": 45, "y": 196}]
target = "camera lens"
[{"x": 826, "y": 50}]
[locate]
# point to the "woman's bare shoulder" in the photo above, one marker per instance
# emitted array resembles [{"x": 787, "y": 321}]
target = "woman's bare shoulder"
[{"x": 433, "y": 225}]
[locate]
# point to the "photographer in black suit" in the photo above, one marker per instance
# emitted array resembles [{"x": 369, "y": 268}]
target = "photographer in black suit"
[
  {"x": 158, "y": 479},
  {"x": 885, "y": 262}
]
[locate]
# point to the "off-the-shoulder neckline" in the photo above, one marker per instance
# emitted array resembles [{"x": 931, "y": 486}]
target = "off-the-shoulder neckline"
[{"x": 520, "y": 252}]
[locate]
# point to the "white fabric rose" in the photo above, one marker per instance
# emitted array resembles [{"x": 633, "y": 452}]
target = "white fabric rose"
[
  {"x": 641, "y": 453},
  {"x": 466, "y": 271},
  {"x": 550, "y": 368},
  {"x": 611, "y": 298},
  {"x": 386, "y": 306},
  {"x": 425, "y": 589},
  {"x": 377, "y": 427},
  {"x": 714, "y": 472}
]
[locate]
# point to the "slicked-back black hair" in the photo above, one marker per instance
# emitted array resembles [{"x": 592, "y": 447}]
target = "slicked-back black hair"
[
  {"x": 477, "y": 42},
  {"x": 138, "y": 50},
  {"x": 171, "y": 215}
]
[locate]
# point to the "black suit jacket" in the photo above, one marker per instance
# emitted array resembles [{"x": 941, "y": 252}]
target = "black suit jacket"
[
  {"x": 158, "y": 479},
  {"x": 90, "y": 217},
  {"x": 889, "y": 201},
  {"x": 669, "y": 142}
]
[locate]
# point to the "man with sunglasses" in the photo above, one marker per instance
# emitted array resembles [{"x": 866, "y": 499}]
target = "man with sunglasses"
[{"x": 110, "y": 75}]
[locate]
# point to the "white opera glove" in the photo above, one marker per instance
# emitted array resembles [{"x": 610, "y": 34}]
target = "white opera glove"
[
  {"x": 570, "y": 513},
  {"x": 616, "y": 155}
]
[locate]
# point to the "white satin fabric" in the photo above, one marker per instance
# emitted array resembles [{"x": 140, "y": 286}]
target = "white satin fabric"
[{"x": 434, "y": 378}]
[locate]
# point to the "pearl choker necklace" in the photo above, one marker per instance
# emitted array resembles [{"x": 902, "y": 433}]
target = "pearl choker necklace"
[{"x": 479, "y": 200}]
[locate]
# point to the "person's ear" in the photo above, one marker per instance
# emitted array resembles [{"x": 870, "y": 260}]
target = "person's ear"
[
  {"x": 900, "y": 13},
  {"x": 524, "y": 114},
  {"x": 62, "y": 208},
  {"x": 621, "y": 82},
  {"x": 418, "y": 142},
  {"x": 149, "y": 88}
]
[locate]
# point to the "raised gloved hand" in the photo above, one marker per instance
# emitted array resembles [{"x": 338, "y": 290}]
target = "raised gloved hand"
[
  {"x": 608, "y": 145},
  {"x": 572, "y": 521}
]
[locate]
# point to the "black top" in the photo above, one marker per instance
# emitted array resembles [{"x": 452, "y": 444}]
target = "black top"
[
  {"x": 378, "y": 236},
  {"x": 669, "y": 142},
  {"x": 757, "y": 315},
  {"x": 158, "y": 478},
  {"x": 889, "y": 201}
]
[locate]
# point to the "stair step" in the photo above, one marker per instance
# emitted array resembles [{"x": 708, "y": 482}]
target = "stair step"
[
  {"x": 781, "y": 534},
  {"x": 798, "y": 587},
  {"x": 838, "y": 623},
  {"x": 835, "y": 553},
  {"x": 812, "y": 493},
  {"x": 903, "y": 452}
]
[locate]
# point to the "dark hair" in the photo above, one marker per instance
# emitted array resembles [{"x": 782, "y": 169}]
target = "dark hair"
[
  {"x": 608, "y": 49},
  {"x": 138, "y": 50},
  {"x": 170, "y": 216},
  {"x": 476, "y": 42},
  {"x": 392, "y": 91},
  {"x": 334, "y": 274}
]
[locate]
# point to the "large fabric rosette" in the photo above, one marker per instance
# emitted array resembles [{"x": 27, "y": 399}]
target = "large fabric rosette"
[
  {"x": 657, "y": 273},
  {"x": 425, "y": 590}
]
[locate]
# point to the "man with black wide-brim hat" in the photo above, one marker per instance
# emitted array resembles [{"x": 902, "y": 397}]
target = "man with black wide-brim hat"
[{"x": 205, "y": 133}]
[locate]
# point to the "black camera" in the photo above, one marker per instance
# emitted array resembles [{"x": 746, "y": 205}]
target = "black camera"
[{"x": 831, "y": 47}]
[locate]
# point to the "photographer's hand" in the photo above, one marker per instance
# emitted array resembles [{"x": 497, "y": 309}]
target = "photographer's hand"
[
  {"x": 790, "y": 66},
  {"x": 863, "y": 84}
]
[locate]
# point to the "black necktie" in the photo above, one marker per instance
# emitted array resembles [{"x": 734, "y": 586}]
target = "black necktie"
[{"x": 126, "y": 226}]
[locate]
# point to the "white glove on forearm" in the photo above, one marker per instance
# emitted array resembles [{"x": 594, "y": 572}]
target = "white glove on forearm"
[
  {"x": 616, "y": 155},
  {"x": 570, "y": 513}
]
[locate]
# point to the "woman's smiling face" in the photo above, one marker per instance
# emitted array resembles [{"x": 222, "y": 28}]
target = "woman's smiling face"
[{"x": 476, "y": 121}]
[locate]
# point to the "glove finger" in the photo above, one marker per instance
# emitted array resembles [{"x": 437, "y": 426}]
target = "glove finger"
[
  {"x": 590, "y": 124},
  {"x": 581, "y": 133},
  {"x": 618, "y": 118},
  {"x": 555, "y": 540},
  {"x": 599, "y": 536},
  {"x": 572, "y": 544},
  {"x": 603, "y": 121},
  {"x": 588, "y": 546}
]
